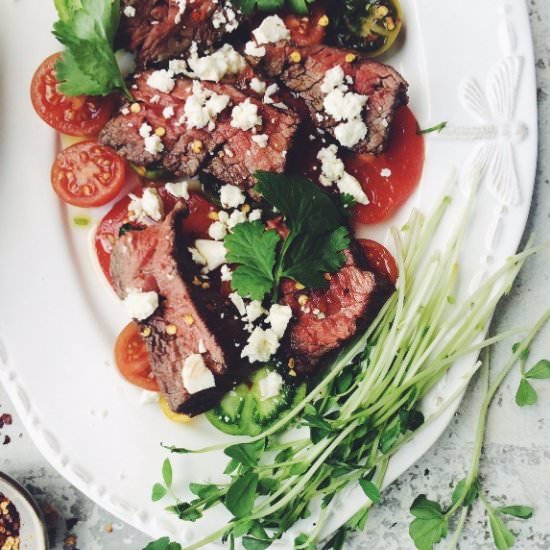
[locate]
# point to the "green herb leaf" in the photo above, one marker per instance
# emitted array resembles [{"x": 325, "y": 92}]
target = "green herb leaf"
[
  {"x": 254, "y": 249},
  {"x": 524, "y": 355},
  {"x": 158, "y": 493},
  {"x": 246, "y": 454},
  {"x": 430, "y": 525},
  {"x": 311, "y": 256},
  {"x": 469, "y": 493},
  {"x": 163, "y": 544},
  {"x": 186, "y": 511},
  {"x": 541, "y": 371},
  {"x": 522, "y": 512},
  {"x": 87, "y": 28},
  {"x": 526, "y": 394},
  {"x": 204, "y": 491},
  {"x": 502, "y": 536},
  {"x": 176, "y": 450},
  {"x": 371, "y": 490},
  {"x": 297, "y": 6},
  {"x": 252, "y": 543},
  {"x": 241, "y": 495},
  {"x": 167, "y": 472}
]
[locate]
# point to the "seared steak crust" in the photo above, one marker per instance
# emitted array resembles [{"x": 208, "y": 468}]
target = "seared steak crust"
[
  {"x": 157, "y": 259},
  {"x": 385, "y": 87},
  {"x": 159, "y": 30},
  {"x": 228, "y": 153},
  {"x": 332, "y": 316}
]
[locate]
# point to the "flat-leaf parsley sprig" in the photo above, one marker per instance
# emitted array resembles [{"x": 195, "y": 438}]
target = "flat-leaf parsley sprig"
[
  {"x": 314, "y": 246},
  {"x": 87, "y": 29}
]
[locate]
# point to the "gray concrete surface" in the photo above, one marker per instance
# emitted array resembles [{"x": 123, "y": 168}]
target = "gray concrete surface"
[{"x": 516, "y": 462}]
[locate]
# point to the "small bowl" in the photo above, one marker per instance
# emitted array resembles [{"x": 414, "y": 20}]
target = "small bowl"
[{"x": 33, "y": 534}]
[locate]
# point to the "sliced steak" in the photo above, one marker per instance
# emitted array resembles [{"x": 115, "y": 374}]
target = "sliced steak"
[
  {"x": 331, "y": 317},
  {"x": 157, "y": 259},
  {"x": 303, "y": 69},
  {"x": 230, "y": 154},
  {"x": 164, "y": 29}
]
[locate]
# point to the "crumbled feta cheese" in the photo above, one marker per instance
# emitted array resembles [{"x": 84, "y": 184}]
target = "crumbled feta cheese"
[
  {"x": 332, "y": 168},
  {"x": 257, "y": 85},
  {"x": 214, "y": 67},
  {"x": 385, "y": 172},
  {"x": 226, "y": 273},
  {"x": 196, "y": 375},
  {"x": 253, "y": 50},
  {"x": 334, "y": 78},
  {"x": 168, "y": 112},
  {"x": 203, "y": 106},
  {"x": 153, "y": 144},
  {"x": 350, "y": 133},
  {"x": 350, "y": 186},
  {"x": 217, "y": 231},
  {"x": 255, "y": 215},
  {"x": 196, "y": 256},
  {"x": 238, "y": 302},
  {"x": 161, "y": 80},
  {"x": 202, "y": 347},
  {"x": 333, "y": 172},
  {"x": 155, "y": 99},
  {"x": 261, "y": 345},
  {"x": 149, "y": 205},
  {"x": 212, "y": 251},
  {"x": 126, "y": 62},
  {"x": 270, "y": 386},
  {"x": 145, "y": 130},
  {"x": 129, "y": 11},
  {"x": 279, "y": 317},
  {"x": 182, "y": 5},
  {"x": 179, "y": 190},
  {"x": 261, "y": 140},
  {"x": 231, "y": 196},
  {"x": 225, "y": 16},
  {"x": 271, "y": 89},
  {"x": 254, "y": 310},
  {"x": 272, "y": 29},
  {"x": 140, "y": 305},
  {"x": 245, "y": 116},
  {"x": 237, "y": 217},
  {"x": 178, "y": 66},
  {"x": 148, "y": 397},
  {"x": 344, "y": 106}
]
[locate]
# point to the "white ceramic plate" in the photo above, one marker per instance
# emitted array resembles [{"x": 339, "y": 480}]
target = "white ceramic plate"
[{"x": 468, "y": 62}]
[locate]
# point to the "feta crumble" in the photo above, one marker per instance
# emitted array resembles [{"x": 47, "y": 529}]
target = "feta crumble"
[
  {"x": 203, "y": 107},
  {"x": 270, "y": 386},
  {"x": 261, "y": 345},
  {"x": 129, "y": 11},
  {"x": 385, "y": 172},
  {"x": 168, "y": 112},
  {"x": 226, "y": 273},
  {"x": 141, "y": 305},
  {"x": 272, "y": 29},
  {"x": 238, "y": 302},
  {"x": 245, "y": 116},
  {"x": 261, "y": 140},
  {"x": 333, "y": 172},
  {"x": 253, "y": 50},
  {"x": 148, "y": 206},
  {"x": 258, "y": 85},
  {"x": 217, "y": 231},
  {"x": 179, "y": 190},
  {"x": 214, "y": 67},
  {"x": 196, "y": 375},
  {"x": 351, "y": 133},
  {"x": 231, "y": 196},
  {"x": 279, "y": 317},
  {"x": 213, "y": 253},
  {"x": 254, "y": 310},
  {"x": 162, "y": 80}
]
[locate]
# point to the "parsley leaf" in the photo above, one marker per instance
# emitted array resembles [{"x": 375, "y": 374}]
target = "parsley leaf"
[
  {"x": 297, "y": 6},
  {"x": 254, "y": 249},
  {"x": 87, "y": 28}
]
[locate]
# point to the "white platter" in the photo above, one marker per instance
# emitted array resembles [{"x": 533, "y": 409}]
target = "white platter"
[{"x": 468, "y": 62}]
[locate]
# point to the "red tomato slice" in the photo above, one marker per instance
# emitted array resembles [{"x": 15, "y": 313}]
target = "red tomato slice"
[
  {"x": 391, "y": 178},
  {"x": 308, "y": 30},
  {"x": 380, "y": 259},
  {"x": 76, "y": 116},
  {"x": 88, "y": 174},
  {"x": 195, "y": 225},
  {"x": 132, "y": 359}
]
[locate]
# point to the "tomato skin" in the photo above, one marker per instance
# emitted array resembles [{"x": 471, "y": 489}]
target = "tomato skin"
[
  {"x": 88, "y": 174},
  {"x": 132, "y": 359},
  {"x": 404, "y": 158},
  {"x": 200, "y": 218},
  {"x": 75, "y": 116},
  {"x": 380, "y": 259},
  {"x": 305, "y": 30}
]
